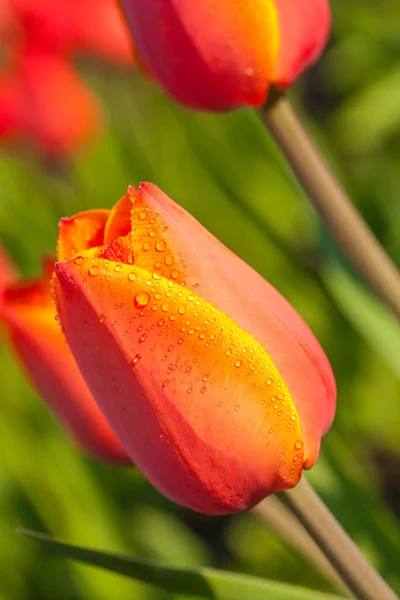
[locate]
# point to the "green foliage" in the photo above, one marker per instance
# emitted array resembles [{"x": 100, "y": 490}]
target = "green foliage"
[
  {"x": 200, "y": 583},
  {"x": 225, "y": 171}
]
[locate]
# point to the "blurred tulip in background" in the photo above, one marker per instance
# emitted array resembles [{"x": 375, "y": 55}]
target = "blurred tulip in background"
[
  {"x": 222, "y": 55},
  {"x": 43, "y": 100},
  {"x": 29, "y": 316},
  {"x": 216, "y": 387}
]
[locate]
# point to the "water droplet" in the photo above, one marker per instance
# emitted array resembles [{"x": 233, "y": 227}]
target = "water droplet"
[
  {"x": 79, "y": 260},
  {"x": 158, "y": 273},
  {"x": 238, "y": 363},
  {"x": 152, "y": 232},
  {"x": 175, "y": 274},
  {"x": 237, "y": 407},
  {"x": 165, "y": 383},
  {"x": 202, "y": 335},
  {"x": 146, "y": 246},
  {"x": 142, "y": 299},
  {"x": 203, "y": 389},
  {"x": 269, "y": 381},
  {"x": 161, "y": 322},
  {"x": 135, "y": 360},
  {"x": 165, "y": 307},
  {"x": 102, "y": 318},
  {"x": 94, "y": 270},
  {"x": 143, "y": 338},
  {"x": 190, "y": 390},
  {"x": 160, "y": 245},
  {"x": 298, "y": 445},
  {"x": 169, "y": 260},
  {"x": 132, "y": 276},
  {"x": 142, "y": 216}
]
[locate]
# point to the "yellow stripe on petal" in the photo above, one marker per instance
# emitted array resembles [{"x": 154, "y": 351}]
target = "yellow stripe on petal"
[{"x": 200, "y": 373}]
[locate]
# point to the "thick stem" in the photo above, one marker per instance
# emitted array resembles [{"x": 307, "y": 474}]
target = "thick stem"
[
  {"x": 351, "y": 565},
  {"x": 281, "y": 519},
  {"x": 345, "y": 223}
]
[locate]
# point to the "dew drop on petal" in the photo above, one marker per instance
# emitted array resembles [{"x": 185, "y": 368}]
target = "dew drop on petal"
[
  {"x": 79, "y": 260},
  {"x": 160, "y": 245},
  {"x": 135, "y": 360},
  {"x": 142, "y": 299},
  {"x": 94, "y": 270}
]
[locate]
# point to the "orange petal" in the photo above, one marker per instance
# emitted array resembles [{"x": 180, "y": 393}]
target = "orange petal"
[
  {"x": 304, "y": 29},
  {"x": 208, "y": 55},
  {"x": 81, "y": 232},
  {"x": 218, "y": 276},
  {"x": 197, "y": 402},
  {"x": 119, "y": 222},
  {"x": 29, "y": 316}
]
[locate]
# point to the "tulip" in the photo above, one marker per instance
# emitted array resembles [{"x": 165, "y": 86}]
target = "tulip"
[
  {"x": 68, "y": 27},
  {"x": 215, "y": 386},
  {"x": 28, "y": 313},
  {"x": 43, "y": 100},
  {"x": 222, "y": 55}
]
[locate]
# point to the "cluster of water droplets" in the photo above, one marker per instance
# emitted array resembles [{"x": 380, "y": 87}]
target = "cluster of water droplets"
[{"x": 197, "y": 348}]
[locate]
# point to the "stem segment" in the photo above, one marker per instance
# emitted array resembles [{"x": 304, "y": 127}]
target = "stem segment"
[
  {"x": 343, "y": 554},
  {"x": 345, "y": 223},
  {"x": 281, "y": 519}
]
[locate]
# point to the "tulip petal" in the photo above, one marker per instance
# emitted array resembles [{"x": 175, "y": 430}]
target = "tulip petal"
[
  {"x": 29, "y": 316},
  {"x": 119, "y": 221},
  {"x": 206, "y": 54},
  {"x": 217, "y": 275},
  {"x": 146, "y": 241},
  {"x": 81, "y": 232},
  {"x": 304, "y": 30},
  {"x": 196, "y": 401}
]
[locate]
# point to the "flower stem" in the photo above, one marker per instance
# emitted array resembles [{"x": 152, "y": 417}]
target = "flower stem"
[
  {"x": 351, "y": 565},
  {"x": 345, "y": 223},
  {"x": 281, "y": 519}
]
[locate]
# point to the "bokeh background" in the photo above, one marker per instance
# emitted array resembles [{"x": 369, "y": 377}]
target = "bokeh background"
[{"x": 226, "y": 171}]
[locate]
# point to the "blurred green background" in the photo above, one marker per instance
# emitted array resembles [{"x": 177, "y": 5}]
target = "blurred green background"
[{"x": 225, "y": 170}]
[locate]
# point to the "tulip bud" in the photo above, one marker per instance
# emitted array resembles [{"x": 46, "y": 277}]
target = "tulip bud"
[
  {"x": 222, "y": 55},
  {"x": 217, "y": 389},
  {"x": 29, "y": 315}
]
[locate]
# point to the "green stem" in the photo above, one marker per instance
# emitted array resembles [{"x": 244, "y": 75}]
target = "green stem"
[
  {"x": 281, "y": 519},
  {"x": 351, "y": 565},
  {"x": 345, "y": 223}
]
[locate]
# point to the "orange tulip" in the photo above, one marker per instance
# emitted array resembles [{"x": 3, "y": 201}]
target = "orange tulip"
[
  {"x": 217, "y": 389},
  {"x": 222, "y": 55},
  {"x": 29, "y": 315}
]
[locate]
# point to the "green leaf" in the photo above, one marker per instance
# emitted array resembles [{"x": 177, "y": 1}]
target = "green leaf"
[{"x": 200, "y": 582}]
